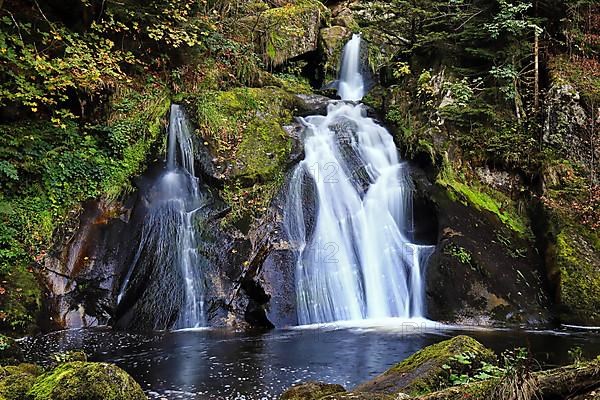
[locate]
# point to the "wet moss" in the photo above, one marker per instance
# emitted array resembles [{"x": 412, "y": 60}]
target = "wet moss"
[
  {"x": 135, "y": 125},
  {"x": 90, "y": 381}
]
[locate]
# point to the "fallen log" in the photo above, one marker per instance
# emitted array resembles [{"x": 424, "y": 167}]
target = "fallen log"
[{"x": 560, "y": 383}]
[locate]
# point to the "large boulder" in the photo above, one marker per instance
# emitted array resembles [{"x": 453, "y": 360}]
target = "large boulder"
[
  {"x": 429, "y": 369},
  {"x": 86, "y": 381},
  {"x": 283, "y": 33},
  {"x": 486, "y": 248}
]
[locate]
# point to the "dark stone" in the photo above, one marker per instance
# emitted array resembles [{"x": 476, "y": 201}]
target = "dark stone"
[{"x": 499, "y": 279}]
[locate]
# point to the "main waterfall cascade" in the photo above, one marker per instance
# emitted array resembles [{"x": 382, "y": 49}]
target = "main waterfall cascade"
[
  {"x": 168, "y": 239},
  {"x": 356, "y": 259}
]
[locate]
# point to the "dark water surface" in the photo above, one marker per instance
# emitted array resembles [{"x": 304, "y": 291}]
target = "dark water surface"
[{"x": 222, "y": 364}]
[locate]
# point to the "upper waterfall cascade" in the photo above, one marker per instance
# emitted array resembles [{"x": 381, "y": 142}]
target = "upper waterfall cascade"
[
  {"x": 351, "y": 85},
  {"x": 168, "y": 238},
  {"x": 355, "y": 259}
]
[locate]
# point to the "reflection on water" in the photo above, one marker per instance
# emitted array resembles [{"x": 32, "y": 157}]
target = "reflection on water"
[{"x": 221, "y": 364}]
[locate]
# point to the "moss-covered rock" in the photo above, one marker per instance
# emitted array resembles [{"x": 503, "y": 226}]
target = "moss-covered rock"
[
  {"x": 331, "y": 43},
  {"x": 242, "y": 132},
  {"x": 485, "y": 198},
  {"x": 282, "y": 33},
  {"x": 427, "y": 370},
  {"x": 16, "y": 381},
  {"x": 311, "y": 391},
  {"x": 86, "y": 381},
  {"x": 577, "y": 253}
]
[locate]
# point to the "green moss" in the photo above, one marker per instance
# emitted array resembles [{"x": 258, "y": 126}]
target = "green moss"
[
  {"x": 428, "y": 369},
  {"x": 243, "y": 130},
  {"x": 136, "y": 124},
  {"x": 289, "y": 30},
  {"x": 22, "y": 300},
  {"x": 485, "y": 198},
  {"x": 293, "y": 83},
  {"x": 439, "y": 354},
  {"x": 89, "y": 381},
  {"x": 579, "y": 266},
  {"x": 16, "y": 381}
]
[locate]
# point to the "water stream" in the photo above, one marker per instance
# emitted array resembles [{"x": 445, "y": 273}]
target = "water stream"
[
  {"x": 357, "y": 260},
  {"x": 168, "y": 239}
]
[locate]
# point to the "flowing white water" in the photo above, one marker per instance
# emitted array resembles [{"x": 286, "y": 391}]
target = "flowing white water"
[
  {"x": 354, "y": 259},
  {"x": 351, "y": 85},
  {"x": 169, "y": 232}
]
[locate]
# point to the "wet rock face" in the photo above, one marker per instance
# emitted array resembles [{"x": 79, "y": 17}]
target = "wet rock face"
[
  {"x": 80, "y": 274},
  {"x": 567, "y": 126},
  {"x": 481, "y": 272},
  {"x": 248, "y": 276}
]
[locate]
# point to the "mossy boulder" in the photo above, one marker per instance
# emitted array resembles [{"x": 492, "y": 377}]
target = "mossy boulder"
[
  {"x": 10, "y": 352},
  {"x": 331, "y": 43},
  {"x": 286, "y": 32},
  {"x": 86, "y": 381},
  {"x": 427, "y": 370},
  {"x": 311, "y": 391},
  {"x": 16, "y": 381},
  {"x": 244, "y": 144}
]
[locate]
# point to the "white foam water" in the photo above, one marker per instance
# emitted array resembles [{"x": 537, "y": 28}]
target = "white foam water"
[{"x": 355, "y": 259}]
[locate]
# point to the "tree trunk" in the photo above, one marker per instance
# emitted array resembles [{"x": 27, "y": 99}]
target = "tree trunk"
[{"x": 536, "y": 83}]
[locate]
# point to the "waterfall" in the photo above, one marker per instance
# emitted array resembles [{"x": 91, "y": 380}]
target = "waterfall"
[
  {"x": 354, "y": 259},
  {"x": 351, "y": 85},
  {"x": 168, "y": 239}
]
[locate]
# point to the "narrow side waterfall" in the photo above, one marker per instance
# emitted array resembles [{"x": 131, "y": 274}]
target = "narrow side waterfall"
[
  {"x": 167, "y": 255},
  {"x": 355, "y": 258}
]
